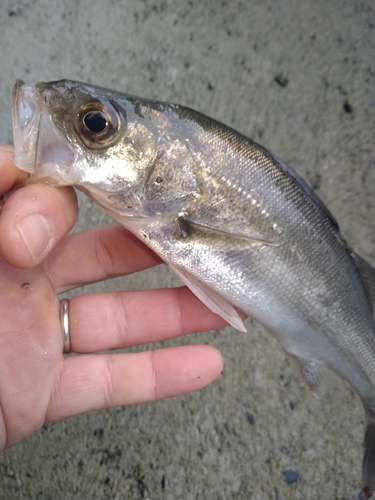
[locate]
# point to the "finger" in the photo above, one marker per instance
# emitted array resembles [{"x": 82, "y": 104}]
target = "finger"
[
  {"x": 91, "y": 382},
  {"x": 8, "y": 172},
  {"x": 124, "y": 319},
  {"x": 95, "y": 255},
  {"x": 33, "y": 221}
]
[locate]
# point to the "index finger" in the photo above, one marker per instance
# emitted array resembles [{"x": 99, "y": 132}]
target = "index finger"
[{"x": 9, "y": 173}]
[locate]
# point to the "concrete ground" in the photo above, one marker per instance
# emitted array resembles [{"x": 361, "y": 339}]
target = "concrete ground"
[{"x": 297, "y": 76}]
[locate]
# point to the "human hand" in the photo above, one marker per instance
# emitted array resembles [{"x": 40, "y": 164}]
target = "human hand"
[{"x": 37, "y": 262}]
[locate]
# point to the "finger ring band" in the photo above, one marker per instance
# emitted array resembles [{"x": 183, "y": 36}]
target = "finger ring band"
[{"x": 64, "y": 315}]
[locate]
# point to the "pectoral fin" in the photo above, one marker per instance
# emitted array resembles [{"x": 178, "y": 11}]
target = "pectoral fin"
[
  {"x": 190, "y": 226},
  {"x": 212, "y": 300}
]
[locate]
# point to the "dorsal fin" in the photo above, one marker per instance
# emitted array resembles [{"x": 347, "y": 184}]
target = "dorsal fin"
[
  {"x": 367, "y": 273},
  {"x": 311, "y": 194}
]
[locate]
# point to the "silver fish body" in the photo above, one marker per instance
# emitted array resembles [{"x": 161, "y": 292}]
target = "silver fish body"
[{"x": 238, "y": 226}]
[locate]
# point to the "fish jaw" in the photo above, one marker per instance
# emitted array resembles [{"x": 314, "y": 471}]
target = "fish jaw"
[{"x": 39, "y": 148}]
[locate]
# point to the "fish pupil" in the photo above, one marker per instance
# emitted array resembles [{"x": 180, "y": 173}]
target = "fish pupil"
[{"x": 95, "y": 122}]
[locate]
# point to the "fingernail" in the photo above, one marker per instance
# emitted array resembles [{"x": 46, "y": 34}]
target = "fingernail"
[{"x": 36, "y": 233}]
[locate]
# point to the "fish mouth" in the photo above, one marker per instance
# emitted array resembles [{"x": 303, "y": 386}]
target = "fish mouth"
[
  {"x": 39, "y": 148},
  {"x": 26, "y": 113}
]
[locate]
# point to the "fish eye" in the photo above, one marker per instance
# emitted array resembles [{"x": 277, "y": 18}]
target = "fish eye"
[
  {"x": 98, "y": 124},
  {"x": 95, "y": 122}
]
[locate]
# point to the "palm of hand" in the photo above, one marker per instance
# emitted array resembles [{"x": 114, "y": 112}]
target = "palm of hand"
[
  {"x": 29, "y": 363},
  {"x": 37, "y": 383}
]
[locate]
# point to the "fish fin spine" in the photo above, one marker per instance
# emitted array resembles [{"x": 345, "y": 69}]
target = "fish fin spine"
[
  {"x": 368, "y": 462},
  {"x": 317, "y": 376}
]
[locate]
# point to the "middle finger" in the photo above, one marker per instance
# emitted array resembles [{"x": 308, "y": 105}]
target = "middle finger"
[{"x": 116, "y": 320}]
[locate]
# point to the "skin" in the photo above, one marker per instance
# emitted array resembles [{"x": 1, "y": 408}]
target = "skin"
[{"x": 38, "y": 261}]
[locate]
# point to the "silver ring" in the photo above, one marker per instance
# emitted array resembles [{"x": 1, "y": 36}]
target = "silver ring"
[{"x": 64, "y": 315}]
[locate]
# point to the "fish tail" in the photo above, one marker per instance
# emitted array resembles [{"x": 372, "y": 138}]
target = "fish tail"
[{"x": 368, "y": 463}]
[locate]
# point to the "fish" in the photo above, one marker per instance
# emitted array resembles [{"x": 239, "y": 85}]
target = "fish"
[{"x": 239, "y": 226}]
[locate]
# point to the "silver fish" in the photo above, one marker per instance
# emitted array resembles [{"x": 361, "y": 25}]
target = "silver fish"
[{"x": 235, "y": 223}]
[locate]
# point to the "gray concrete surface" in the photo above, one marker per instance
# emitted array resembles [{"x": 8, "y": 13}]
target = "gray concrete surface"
[{"x": 297, "y": 76}]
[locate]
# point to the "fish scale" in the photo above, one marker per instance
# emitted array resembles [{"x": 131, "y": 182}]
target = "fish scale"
[{"x": 235, "y": 223}]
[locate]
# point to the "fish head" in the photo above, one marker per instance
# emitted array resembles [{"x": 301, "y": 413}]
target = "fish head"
[{"x": 108, "y": 144}]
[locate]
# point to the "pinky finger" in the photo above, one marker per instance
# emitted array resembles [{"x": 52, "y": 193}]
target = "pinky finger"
[{"x": 93, "y": 382}]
